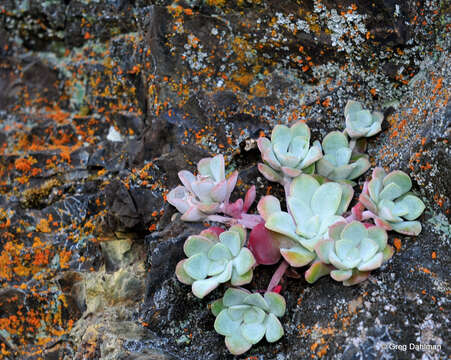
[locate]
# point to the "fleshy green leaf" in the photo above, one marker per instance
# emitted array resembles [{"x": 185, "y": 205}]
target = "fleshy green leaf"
[
  {"x": 239, "y": 280},
  {"x": 334, "y": 141},
  {"x": 368, "y": 248},
  {"x": 407, "y": 227},
  {"x": 201, "y": 288},
  {"x": 274, "y": 329},
  {"x": 237, "y": 344},
  {"x": 232, "y": 240},
  {"x": 360, "y": 166},
  {"x": 241, "y": 232},
  {"x": 373, "y": 263},
  {"x": 281, "y": 138},
  {"x": 303, "y": 187},
  {"x": 297, "y": 256},
  {"x": 346, "y": 197},
  {"x": 340, "y": 275},
  {"x": 197, "y": 266},
  {"x": 217, "y": 168},
  {"x": 203, "y": 167},
  {"x": 256, "y": 300},
  {"x": 390, "y": 192},
  {"x": 269, "y": 173},
  {"x": 253, "y": 333},
  {"x": 254, "y": 315},
  {"x": 216, "y": 307},
  {"x": 301, "y": 211},
  {"x": 237, "y": 312},
  {"x": 414, "y": 205},
  {"x": 234, "y": 296},
  {"x": 326, "y": 199},
  {"x": 244, "y": 261},
  {"x": 336, "y": 229},
  {"x": 282, "y": 223},
  {"x": 216, "y": 267},
  {"x": 268, "y": 205},
  {"x": 219, "y": 252},
  {"x": 316, "y": 271},
  {"x": 276, "y": 303},
  {"x": 378, "y": 235},
  {"x": 354, "y": 231},
  {"x": 181, "y": 274},
  {"x": 300, "y": 129},
  {"x": 225, "y": 325},
  {"x": 323, "y": 249},
  {"x": 400, "y": 178}
]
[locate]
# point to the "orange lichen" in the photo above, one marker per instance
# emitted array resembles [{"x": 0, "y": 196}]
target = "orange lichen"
[{"x": 397, "y": 243}]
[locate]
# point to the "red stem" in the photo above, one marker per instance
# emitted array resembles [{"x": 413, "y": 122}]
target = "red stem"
[{"x": 278, "y": 275}]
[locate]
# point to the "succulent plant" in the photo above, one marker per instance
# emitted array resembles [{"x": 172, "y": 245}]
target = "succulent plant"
[
  {"x": 288, "y": 153},
  {"x": 312, "y": 209},
  {"x": 214, "y": 259},
  {"x": 354, "y": 250},
  {"x": 338, "y": 162},
  {"x": 361, "y": 122},
  {"x": 390, "y": 202},
  {"x": 245, "y": 318},
  {"x": 204, "y": 194}
]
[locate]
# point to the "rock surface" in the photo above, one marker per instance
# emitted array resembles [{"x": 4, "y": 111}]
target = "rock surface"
[{"x": 103, "y": 102}]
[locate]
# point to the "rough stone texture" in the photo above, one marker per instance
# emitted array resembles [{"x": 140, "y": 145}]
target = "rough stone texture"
[{"x": 103, "y": 102}]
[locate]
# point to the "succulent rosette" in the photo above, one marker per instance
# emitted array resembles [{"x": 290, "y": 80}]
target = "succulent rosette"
[
  {"x": 288, "y": 153},
  {"x": 339, "y": 162},
  {"x": 245, "y": 318},
  {"x": 205, "y": 194},
  {"x": 312, "y": 209},
  {"x": 361, "y": 122},
  {"x": 214, "y": 259},
  {"x": 354, "y": 250},
  {"x": 390, "y": 202}
]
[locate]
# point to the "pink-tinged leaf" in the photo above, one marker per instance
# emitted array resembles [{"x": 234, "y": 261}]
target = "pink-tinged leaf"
[
  {"x": 412, "y": 228},
  {"x": 365, "y": 189},
  {"x": 178, "y": 198},
  {"x": 215, "y": 230},
  {"x": 378, "y": 173},
  {"x": 268, "y": 205},
  {"x": 193, "y": 214},
  {"x": 357, "y": 278},
  {"x": 263, "y": 246},
  {"x": 187, "y": 178},
  {"x": 291, "y": 172},
  {"x": 269, "y": 173},
  {"x": 208, "y": 208},
  {"x": 277, "y": 289},
  {"x": 367, "y": 225},
  {"x": 249, "y": 198},
  {"x": 234, "y": 209},
  {"x": 231, "y": 182},
  {"x": 357, "y": 211},
  {"x": 366, "y": 201},
  {"x": 181, "y": 274},
  {"x": 219, "y": 191},
  {"x": 323, "y": 248},
  {"x": 265, "y": 147},
  {"x": 381, "y": 223}
]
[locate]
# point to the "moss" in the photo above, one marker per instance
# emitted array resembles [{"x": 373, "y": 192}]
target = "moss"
[{"x": 36, "y": 197}]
